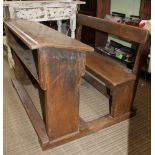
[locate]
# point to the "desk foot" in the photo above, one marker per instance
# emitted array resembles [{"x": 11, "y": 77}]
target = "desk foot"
[{"x": 85, "y": 128}]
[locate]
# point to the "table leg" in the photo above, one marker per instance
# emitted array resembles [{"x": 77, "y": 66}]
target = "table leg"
[
  {"x": 59, "y": 23},
  {"x": 73, "y": 25},
  {"x": 61, "y": 72}
]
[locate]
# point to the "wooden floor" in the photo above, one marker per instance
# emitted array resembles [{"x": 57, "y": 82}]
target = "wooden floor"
[{"x": 131, "y": 137}]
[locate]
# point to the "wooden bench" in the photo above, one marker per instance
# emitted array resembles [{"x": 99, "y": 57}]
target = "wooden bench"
[
  {"x": 56, "y": 62},
  {"x": 121, "y": 81}
]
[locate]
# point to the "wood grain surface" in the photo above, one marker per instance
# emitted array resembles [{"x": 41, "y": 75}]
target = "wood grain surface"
[
  {"x": 127, "y": 32},
  {"x": 36, "y": 35},
  {"x": 105, "y": 69}
]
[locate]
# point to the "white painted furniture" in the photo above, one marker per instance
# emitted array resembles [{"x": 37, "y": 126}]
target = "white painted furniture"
[{"x": 43, "y": 11}]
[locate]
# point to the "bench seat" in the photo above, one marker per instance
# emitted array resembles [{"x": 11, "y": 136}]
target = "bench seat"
[{"x": 107, "y": 70}]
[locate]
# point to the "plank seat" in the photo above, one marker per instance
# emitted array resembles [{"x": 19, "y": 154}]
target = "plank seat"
[{"x": 112, "y": 73}]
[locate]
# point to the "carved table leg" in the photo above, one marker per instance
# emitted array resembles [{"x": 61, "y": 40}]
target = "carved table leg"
[
  {"x": 61, "y": 75},
  {"x": 59, "y": 23},
  {"x": 73, "y": 25}
]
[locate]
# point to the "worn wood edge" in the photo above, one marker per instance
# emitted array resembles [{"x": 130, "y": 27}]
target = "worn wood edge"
[
  {"x": 88, "y": 21},
  {"x": 107, "y": 82},
  {"x": 86, "y": 128},
  {"x": 33, "y": 44},
  {"x": 32, "y": 112},
  {"x": 18, "y": 31}
]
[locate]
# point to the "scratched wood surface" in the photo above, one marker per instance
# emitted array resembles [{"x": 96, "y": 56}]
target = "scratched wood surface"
[
  {"x": 57, "y": 62},
  {"x": 112, "y": 73},
  {"x": 60, "y": 65},
  {"x": 62, "y": 71},
  {"x": 43, "y": 36},
  {"x": 130, "y": 33}
]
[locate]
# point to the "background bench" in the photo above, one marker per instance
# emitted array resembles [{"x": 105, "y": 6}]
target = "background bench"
[{"x": 121, "y": 81}]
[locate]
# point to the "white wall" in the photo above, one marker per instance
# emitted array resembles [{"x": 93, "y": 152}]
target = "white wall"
[{"x": 129, "y": 7}]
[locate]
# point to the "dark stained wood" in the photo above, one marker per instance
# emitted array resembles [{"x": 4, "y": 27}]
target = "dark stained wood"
[
  {"x": 88, "y": 128},
  {"x": 105, "y": 69},
  {"x": 88, "y": 34},
  {"x": 134, "y": 34},
  {"x": 85, "y": 128},
  {"x": 121, "y": 82},
  {"x": 28, "y": 61},
  {"x": 96, "y": 8},
  {"x": 43, "y": 36},
  {"x": 142, "y": 53},
  {"x": 145, "y": 10},
  {"x": 103, "y": 8},
  {"x": 126, "y": 32},
  {"x": 78, "y": 32},
  {"x": 89, "y": 8},
  {"x": 20, "y": 70},
  {"x": 122, "y": 98},
  {"x": 62, "y": 74},
  {"x": 58, "y": 66},
  {"x": 59, "y": 70},
  {"x": 26, "y": 56}
]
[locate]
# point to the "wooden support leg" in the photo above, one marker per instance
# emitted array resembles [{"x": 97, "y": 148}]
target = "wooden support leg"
[
  {"x": 62, "y": 82},
  {"x": 122, "y": 98},
  {"x": 59, "y": 23},
  {"x": 103, "y": 8},
  {"x": 73, "y": 25}
]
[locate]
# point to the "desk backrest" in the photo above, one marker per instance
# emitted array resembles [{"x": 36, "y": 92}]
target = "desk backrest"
[{"x": 123, "y": 31}]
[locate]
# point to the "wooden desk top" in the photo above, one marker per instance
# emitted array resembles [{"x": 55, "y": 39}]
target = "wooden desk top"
[{"x": 36, "y": 35}]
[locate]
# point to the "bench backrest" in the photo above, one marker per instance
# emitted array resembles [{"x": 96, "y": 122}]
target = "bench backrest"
[{"x": 123, "y": 31}]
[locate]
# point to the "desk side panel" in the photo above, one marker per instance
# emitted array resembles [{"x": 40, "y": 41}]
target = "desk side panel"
[{"x": 61, "y": 73}]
